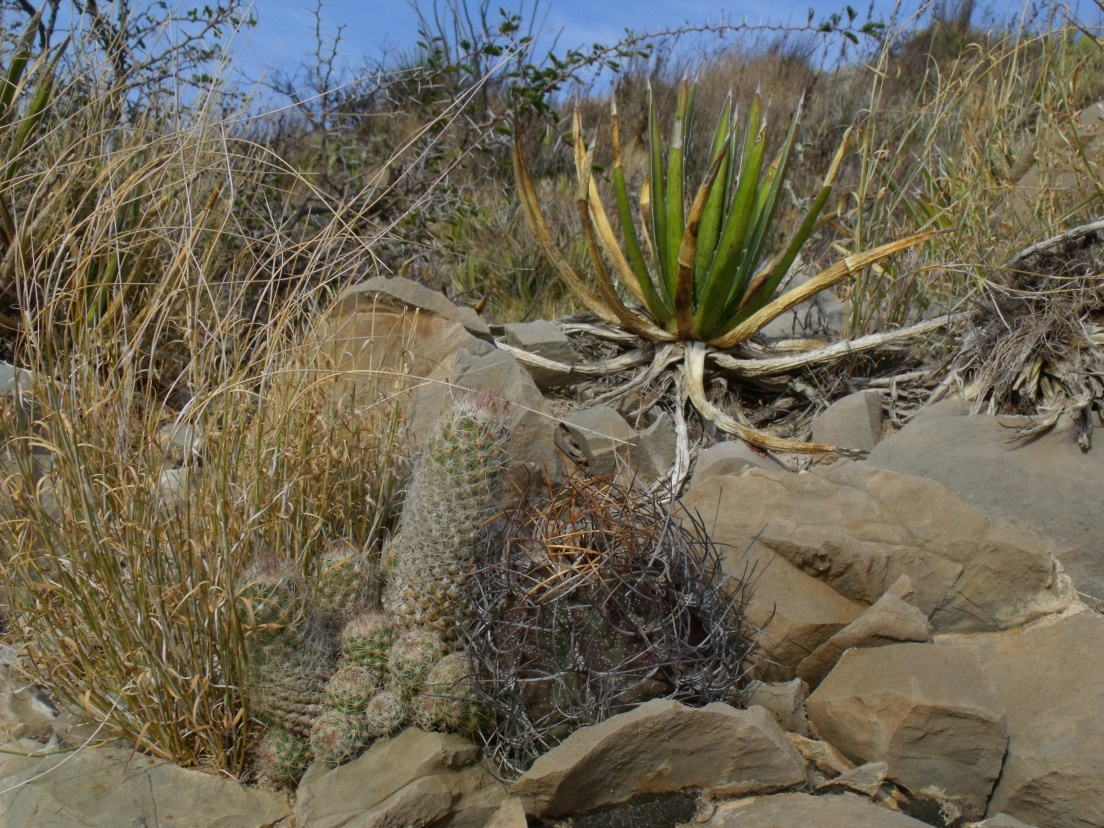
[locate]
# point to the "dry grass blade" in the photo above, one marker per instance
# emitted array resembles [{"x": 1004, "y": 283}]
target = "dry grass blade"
[
  {"x": 1035, "y": 343},
  {"x": 843, "y": 269},
  {"x": 539, "y": 227}
]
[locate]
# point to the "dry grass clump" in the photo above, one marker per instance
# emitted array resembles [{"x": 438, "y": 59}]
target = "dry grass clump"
[
  {"x": 1035, "y": 342},
  {"x": 175, "y": 427},
  {"x": 590, "y": 602},
  {"x": 945, "y": 129}
]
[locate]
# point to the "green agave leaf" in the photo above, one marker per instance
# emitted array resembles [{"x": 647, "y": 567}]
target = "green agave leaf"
[
  {"x": 710, "y": 231},
  {"x": 688, "y": 252},
  {"x": 755, "y": 300},
  {"x": 767, "y": 202},
  {"x": 676, "y": 217},
  {"x": 652, "y": 299},
  {"x": 843, "y": 269},
  {"x": 658, "y": 204},
  {"x": 584, "y": 163},
  {"x": 718, "y": 282}
]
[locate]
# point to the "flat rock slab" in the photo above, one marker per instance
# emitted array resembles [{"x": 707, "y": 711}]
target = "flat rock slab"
[
  {"x": 854, "y": 421},
  {"x": 660, "y": 747},
  {"x": 1050, "y": 679},
  {"x": 798, "y": 810},
  {"x": 114, "y": 788},
  {"x": 889, "y": 620},
  {"x": 928, "y": 711},
  {"x": 415, "y": 778},
  {"x": 827, "y": 545},
  {"x": 1047, "y": 486}
]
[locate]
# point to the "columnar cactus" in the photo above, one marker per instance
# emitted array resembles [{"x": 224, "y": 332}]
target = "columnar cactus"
[
  {"x": 386, "y": 657},
  {"x": 456, "y": 486}
]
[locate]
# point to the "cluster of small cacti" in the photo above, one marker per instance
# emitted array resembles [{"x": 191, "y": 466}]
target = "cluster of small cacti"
[{"x": 397, "y": 663}]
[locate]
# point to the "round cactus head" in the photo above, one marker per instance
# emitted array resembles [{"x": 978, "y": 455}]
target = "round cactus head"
[
  {"x": 272, "y": 602},
  {"x": 449, "y": 700},
  {"x": 344, "y": 583},
  {"x": 280, "y": 758},
  {"x": 412, "y": 657},
  {"x": 337, "y": 737},
  {"x": 366, "y": 641},
  {"x": 386, "y": 713},
  {"x": 351, "y": 688}
]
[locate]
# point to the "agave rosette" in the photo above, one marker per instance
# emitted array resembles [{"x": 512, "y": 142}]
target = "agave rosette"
[{"x": 702, "y": 272}]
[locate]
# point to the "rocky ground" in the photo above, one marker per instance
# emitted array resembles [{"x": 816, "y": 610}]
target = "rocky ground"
[{"x": 932, "y": 653}]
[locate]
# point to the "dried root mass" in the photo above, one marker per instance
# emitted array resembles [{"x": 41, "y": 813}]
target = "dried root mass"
[{"x": 1036, "y": 341}]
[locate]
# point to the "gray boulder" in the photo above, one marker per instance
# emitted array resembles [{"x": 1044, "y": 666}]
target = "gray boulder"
[
  {"x": 1047, "y": 487},
  {"x": 660, "y": 747},
  {"x": 927, "y": 711},
  {"x": 116, "y": 788}
]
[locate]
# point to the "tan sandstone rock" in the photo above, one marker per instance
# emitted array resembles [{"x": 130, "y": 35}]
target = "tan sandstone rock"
[
  {"x": 826, "y": 545},
  {"x": 1047, "y": 486},
  {"x": 389, "y": 337},
  {"x": 113, "y": 787},
  {"x": 659, "y": 747},
  {"x": 888, "y": 621},
  {"x": 797, "y": 810},
  {"x": 415, "y": 778},
  {"x": 926, "y": 710},
  {"x": 1050, "y": 679}
]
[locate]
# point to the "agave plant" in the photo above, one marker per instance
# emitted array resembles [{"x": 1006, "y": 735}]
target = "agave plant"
[{"x": 702, "y": 276}]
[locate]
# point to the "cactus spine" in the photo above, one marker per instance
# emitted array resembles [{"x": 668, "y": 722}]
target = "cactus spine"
[
  {"x": 448, "y": 699},
  {"x": 280, "y": 759}
]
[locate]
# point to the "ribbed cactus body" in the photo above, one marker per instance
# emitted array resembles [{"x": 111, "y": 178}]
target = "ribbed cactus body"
[
  {"x": 366, "y": 641},
  {"x": 456, "y": 486},
  {"x": 448, "y": 700},
  {"x": 338, "y": 737},
  {"x": 386, "y": 713},
  {"x": 288, "y": 665},
  {"x": 280, "y": 759},
  {"x": 412, "y": 657}
]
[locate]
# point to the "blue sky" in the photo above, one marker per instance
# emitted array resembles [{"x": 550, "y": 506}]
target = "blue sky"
[{"x": 284, "y": 37}]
